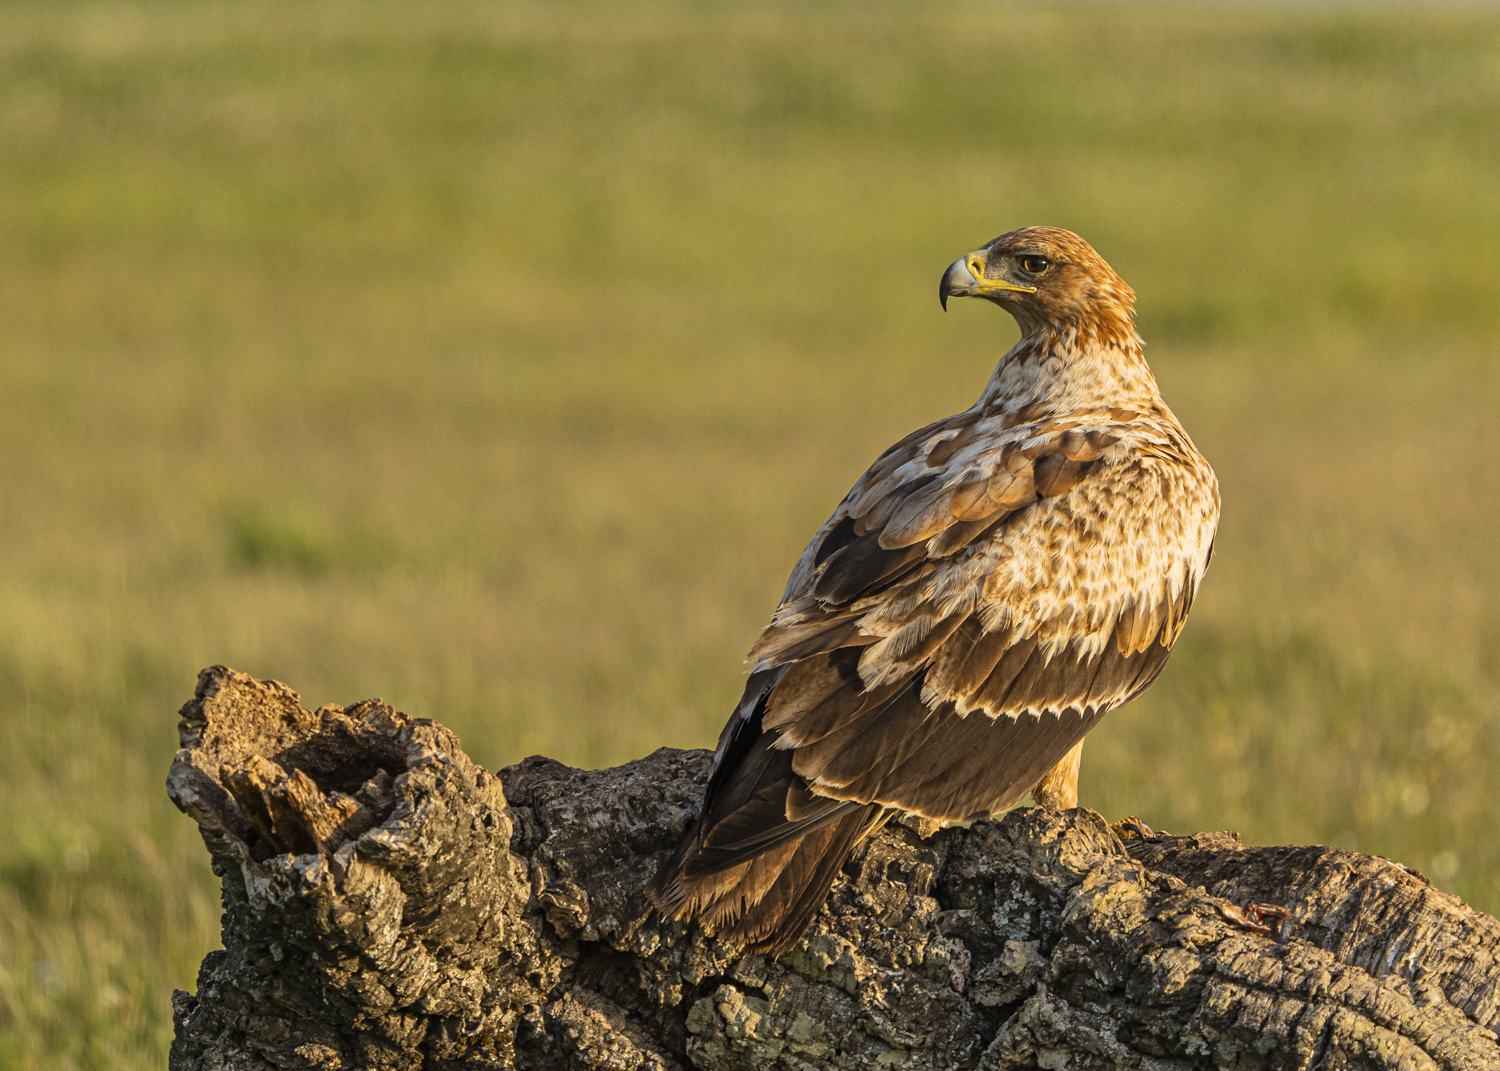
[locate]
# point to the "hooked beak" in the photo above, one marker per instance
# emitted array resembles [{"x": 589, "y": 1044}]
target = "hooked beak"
[{"x": 965, "y": 278}]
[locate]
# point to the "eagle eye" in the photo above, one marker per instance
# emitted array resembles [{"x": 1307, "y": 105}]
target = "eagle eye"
[{"x": 1032, "y": 264}]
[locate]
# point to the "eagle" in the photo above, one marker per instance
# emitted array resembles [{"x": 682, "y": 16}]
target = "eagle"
[{"x": 991, "y": 586}]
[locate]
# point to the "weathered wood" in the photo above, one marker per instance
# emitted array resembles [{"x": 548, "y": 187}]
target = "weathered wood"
[{"x": 387, "y": 906}]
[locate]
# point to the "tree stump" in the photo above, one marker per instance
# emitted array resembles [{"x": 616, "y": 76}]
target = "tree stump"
[{"x": 388, "y": 904}]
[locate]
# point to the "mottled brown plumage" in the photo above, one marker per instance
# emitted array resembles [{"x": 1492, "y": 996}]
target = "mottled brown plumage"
[{"x": 991, "y": 587}]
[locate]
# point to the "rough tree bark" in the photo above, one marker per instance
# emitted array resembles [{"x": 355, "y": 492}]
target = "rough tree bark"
[{"x": 387, "y": 904}]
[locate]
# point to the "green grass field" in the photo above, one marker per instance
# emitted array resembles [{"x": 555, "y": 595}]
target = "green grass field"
[{"x": 500, "y": 359}]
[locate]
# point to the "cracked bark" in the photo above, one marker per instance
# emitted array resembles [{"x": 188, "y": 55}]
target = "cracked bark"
[{"x": 388, "y": 904}]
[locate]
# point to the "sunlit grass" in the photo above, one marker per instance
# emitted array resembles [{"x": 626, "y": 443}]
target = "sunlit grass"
[{"x": 499, "y": 359}]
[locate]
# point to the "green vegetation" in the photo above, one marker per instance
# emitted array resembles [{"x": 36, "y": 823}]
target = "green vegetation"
[{"x": 500, "y": 359}]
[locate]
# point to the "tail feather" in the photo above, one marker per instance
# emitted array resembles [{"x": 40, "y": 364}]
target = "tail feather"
[
  {"x": 758, "y": 864},
  {"x": 777, "y": 921},
  {"x": 768, "y": 900}
]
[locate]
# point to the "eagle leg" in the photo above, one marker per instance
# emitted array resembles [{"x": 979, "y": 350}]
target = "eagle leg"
[{"x": 1058, "y": 788}]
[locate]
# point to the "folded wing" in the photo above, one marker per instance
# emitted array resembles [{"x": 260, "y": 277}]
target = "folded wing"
[{"x": 980, "y": 599}]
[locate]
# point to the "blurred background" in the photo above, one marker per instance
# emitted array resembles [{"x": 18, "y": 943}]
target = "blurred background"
[{"x": 499, "y": 359}]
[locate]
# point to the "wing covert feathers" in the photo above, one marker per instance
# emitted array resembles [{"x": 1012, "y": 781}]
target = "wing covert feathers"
[{"x": 991, "y": 587}]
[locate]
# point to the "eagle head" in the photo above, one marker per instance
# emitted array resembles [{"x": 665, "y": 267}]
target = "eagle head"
[{"x": 1050, "y": 280}]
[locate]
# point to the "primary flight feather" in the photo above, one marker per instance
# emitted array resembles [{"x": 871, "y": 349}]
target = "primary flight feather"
[{"x": 990, "y": 587}]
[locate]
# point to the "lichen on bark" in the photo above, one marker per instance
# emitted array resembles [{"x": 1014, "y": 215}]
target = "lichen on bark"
[{"x": 389, "y": 904}]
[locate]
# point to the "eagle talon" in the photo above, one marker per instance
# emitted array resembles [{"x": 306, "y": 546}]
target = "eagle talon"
[{"x": 1135, "y": 827}]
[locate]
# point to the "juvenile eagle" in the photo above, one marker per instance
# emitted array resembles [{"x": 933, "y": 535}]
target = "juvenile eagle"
[{"x": 991, "y": 586}]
